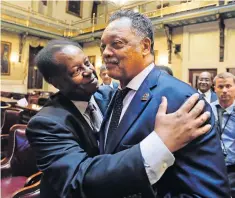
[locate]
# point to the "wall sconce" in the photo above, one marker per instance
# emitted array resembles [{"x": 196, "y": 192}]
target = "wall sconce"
[
  {"x": 14, "y": 58},
  {"x": 136, "y": 9},
  {"x": 99, "y": 61},
  {"x": 163, "y": 60}
]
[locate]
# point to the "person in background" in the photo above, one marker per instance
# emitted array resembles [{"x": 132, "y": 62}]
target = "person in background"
[
  {"x": 62, "y": 133},
  {"x": 127, "y": 47},
  {"x": 106, "y": 80},
  {"x": 204, "y": 85},
  {"x": 224, "y": 111}
]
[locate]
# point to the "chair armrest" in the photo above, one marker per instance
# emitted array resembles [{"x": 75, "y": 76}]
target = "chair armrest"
[
  {"x": 33, "y": 179},
  {"x": 32, "y": 191},
  {"x": 18, "y": 126}
]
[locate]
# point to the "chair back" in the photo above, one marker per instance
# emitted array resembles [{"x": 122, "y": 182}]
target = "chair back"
[
  {"x": 20, "y": 156},
  {"x": 42, "y": 101},
  {"x": 11, "y": 117}
]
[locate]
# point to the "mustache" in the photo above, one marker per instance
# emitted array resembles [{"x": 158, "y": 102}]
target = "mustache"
[{"x": 111, "y": 60}]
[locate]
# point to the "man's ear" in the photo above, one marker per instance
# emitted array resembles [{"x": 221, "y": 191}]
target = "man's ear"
[{"x": 146, "y": 46}]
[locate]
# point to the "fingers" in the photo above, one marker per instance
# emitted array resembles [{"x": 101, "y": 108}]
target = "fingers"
[
  {"x": 200, "y": 131},
  {"x": 162, "y": 107},
  {"x": 188, "y": 105},
  {"x": 202, "y": 119},
  {"x": 196, "y": 111}
]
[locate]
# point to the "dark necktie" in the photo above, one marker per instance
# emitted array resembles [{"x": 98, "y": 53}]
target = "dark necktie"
[
  {"x": 91, "y": 115},
  {"x": 117, "y": 110},
  {"x": 220, "y": 112},
  {"x": 204, "y": 95}
]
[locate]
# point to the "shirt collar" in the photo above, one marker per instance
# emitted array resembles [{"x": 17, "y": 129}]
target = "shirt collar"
[
  {"x": 229, "y": 109},
  {"x": 206, "y": 93},
  {"x": 111, "y": 84},
  {"x": 81, "y": 106},
  {"x": 136, "y": 82}
]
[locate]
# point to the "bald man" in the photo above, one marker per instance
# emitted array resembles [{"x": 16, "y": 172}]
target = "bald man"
[{"x": 204, "y": 85}]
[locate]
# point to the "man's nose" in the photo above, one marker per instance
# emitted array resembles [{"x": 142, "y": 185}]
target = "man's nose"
[
  {"x": 225, "y": 89},
  {"x": 107, "y": 52},
  {"x": 87, "y": 72}
]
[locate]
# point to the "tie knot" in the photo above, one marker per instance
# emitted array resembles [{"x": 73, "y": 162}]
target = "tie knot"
[
  {"x": 90, "y": 108},
  {"x": 220, "y": 109},
  {"x": 122, "y": 93}
]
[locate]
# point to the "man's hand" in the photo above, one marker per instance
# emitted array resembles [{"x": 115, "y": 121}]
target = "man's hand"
[{"x": 179, "y": 128}]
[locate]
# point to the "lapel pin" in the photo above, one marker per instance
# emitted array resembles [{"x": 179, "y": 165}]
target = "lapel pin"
[{"x": 145, "y": 97}]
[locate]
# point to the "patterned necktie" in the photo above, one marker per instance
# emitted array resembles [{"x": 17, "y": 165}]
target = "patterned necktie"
[
  {"x": 91, "y": 115},
  {"x": 117, "y": 110}
]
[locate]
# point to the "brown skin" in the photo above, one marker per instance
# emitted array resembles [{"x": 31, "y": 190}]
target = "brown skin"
[
  {"x": 225, "y": 90},
  {"x": 125, "y": 54},
  {"x": 105, "y": 77},
  {"x": 79, "y": 81},
  {"x": 204, "y": 82}
]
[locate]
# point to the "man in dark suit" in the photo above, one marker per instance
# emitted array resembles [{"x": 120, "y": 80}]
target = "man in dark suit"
[
  {"x": 106, "y": 80},
  {"x": 62, "y": 137},
  {"x": 127, "y": 47},
  {"x": 204, "y": 85}
]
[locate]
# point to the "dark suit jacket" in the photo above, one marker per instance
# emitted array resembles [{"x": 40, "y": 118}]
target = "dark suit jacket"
[
  {"x": 103, "y": 97},
  {"x": 63, "y": 142},
  {"x": 199, "y": 169}
]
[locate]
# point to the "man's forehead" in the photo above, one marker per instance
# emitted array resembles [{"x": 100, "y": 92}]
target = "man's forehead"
[
  {"x": 205, "y": 75},
  {"x": 119, "y": 25},
  {"x": 225, "y": 80},
  {"x": 71, "y": 49}
]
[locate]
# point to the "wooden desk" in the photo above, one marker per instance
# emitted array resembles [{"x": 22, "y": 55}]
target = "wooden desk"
[
  {"x": 30, "y": 107},
  {"x": 8, "y": 100}
]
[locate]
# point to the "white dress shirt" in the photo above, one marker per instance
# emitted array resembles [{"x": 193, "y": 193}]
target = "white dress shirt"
[
  {"x": 82, "y": 105},
  {"x": 207, "y": 95},
  {"x": 156, "y": 156}
]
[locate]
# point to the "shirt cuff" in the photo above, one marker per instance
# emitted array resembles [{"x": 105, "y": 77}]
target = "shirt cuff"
[{"x": 156, "y": 157}]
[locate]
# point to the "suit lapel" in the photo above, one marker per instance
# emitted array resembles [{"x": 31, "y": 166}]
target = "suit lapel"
[
  {"x": 85, "y": 133},
  {"x": 105, "y": 120},
  {"x": 140, "y": 101}
]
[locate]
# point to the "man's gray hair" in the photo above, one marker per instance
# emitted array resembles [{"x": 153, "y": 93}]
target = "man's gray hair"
[
  {"x": 102, "y": 68},
  {"x": 223, "y": 76}
]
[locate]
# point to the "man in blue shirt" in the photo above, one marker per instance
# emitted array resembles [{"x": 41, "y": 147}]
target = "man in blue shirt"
[{"x": 224, "y": 111}]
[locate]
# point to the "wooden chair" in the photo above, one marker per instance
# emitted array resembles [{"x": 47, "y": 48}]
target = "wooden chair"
[{"x": 20, "y": 176}]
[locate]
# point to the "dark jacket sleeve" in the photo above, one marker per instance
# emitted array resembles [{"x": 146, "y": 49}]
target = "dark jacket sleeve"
[{"x": 70, "y": 172}]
